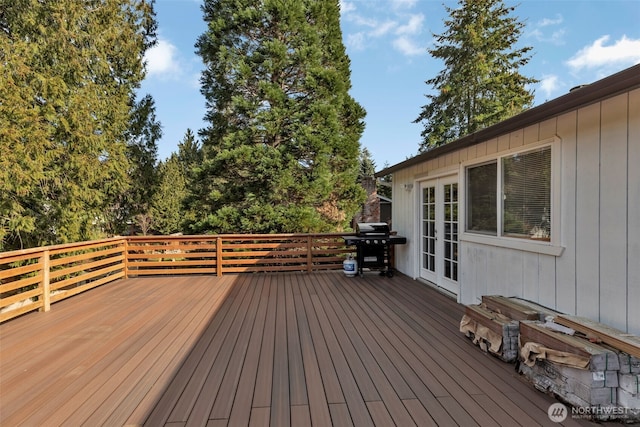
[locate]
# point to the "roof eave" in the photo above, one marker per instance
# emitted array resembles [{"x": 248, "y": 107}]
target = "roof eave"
[{"x": 610, "y": 86}]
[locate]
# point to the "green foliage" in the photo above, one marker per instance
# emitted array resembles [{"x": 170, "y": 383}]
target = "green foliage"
[
  {"x": 189, "y": 153},
  {"x": 385, "y": 183},
  {"x": 281, "y": 150},
  {"x": 166, "y": 210},
  {"x": 142, "y": 153},
  {"x": 367, "y": 164},
  {"x": 480, "y": 84},
  {"x": 70, "y": 69}
]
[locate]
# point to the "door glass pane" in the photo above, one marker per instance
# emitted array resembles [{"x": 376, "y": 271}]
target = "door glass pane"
[
  {"x": 428, "y": 228},
  {"x": 450, "y": 255}
]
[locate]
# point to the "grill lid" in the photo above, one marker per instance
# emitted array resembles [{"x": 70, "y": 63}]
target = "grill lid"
[{"x": 372, "y": 229}]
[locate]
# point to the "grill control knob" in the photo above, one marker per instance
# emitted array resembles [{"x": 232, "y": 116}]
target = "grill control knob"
[
  {"x": 383, "y": 241},
  {"x": 367, "y": 241}
]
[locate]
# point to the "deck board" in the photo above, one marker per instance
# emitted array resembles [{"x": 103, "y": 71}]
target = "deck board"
[{"x": 281, "y": 349}]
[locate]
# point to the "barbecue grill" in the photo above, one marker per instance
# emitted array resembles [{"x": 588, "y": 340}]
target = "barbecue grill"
[{"x": 373, "y": 243}]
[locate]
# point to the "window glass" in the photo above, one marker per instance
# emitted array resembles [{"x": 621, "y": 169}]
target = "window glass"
[
  {"x": 481, "y": 198},
  {"x": 526, "y": 192}
]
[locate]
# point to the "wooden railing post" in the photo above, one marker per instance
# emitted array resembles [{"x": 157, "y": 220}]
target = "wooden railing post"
[
  {"x": 44, "y": 283},
  {"x": 126, "y": 258},
  {"x": 309, "y": 253},
  {"x": 219, "y": 256}
]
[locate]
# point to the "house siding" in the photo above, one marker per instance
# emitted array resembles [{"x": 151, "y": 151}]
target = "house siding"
[{"x": 598, "y": 273}]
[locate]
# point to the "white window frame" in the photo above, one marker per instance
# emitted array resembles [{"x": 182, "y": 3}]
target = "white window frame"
[{"x": 551, "y": 247}]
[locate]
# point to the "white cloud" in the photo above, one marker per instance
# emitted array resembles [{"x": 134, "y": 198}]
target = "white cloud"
[
  {"x": 408, "y": 47},
  {"x": 362, "y": 21},
  {"x": 621, "y": 53},
  {"x": 545, "y": 22},
  {"x": 414, "y": 26},
  {"x": 162, "y": 60},
  {"x": 549, "y": 85},
  {"x": 541, "y": 28},
  {"x": 383, "y": 29},
  {"x": 356, "y": 41},
  {"x": 346, "y": 6},
  {"x": 397, "y": 28},
  {"x": 403, "y": 4}
]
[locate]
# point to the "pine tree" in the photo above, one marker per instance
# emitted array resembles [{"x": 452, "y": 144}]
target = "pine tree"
[
  {"x": 189, "y": 153},
  {"x": 142, "y": 137},
  {"x": 167, "y": 211},
  {"x": 385, "y": 183},
  {"x": 481, "y": 84},
  {"x": 367, "y": 164},
  {"x": 281, "y": 149},
  {"x": 190, "y": 158},
  {"x": 70, "y": 69}
]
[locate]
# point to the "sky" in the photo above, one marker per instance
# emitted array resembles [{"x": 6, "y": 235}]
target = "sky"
[{"x": 574, "y": 42}]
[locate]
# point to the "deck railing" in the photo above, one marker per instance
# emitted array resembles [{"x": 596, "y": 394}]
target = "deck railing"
[{"x": 32, "y": 279}]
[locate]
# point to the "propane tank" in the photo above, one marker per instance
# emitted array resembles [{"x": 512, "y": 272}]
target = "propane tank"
[{"x": 350, "y": 266}]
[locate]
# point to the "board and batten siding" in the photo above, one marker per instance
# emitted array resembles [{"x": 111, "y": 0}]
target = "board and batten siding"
[{"x": 597, "y": 275}]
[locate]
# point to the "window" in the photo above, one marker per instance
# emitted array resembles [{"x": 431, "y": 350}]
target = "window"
[
  {"x": 526, "y": 193},
  {"x": 523, "y": 210},
  {"x": 481, "y": 199}
]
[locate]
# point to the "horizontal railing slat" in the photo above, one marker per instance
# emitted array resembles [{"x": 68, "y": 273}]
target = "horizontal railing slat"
[
  {"x": 84, "y": 277},
  {"x": 19, "y": 297},
  {"x": 11, "y": 257},
  {"x": 172, "y": 255},
  {"x": 18, "y": 271},
  {"x": 87, "y": 266},
  {"x": 170, "y": 263},
  {"x": 85, "y": 247},
  {"x": 85, "y": 256},
  {"x": 17, "y": 284},
  {"x": 7, "y": 315},
  {"x": 173, "y": 272},
  {"x": 73, "y": 291}
]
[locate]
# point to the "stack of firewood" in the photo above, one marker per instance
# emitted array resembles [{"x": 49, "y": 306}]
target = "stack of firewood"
[
  {"x": 493, "y": 325},
  {"x": 594, "y": 368}
]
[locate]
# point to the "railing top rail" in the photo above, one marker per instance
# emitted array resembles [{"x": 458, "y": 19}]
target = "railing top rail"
[
  {"x": 237, "y": 236},
  {"x": 78, "y": 245},
  {"x": 191, "y": 237}
]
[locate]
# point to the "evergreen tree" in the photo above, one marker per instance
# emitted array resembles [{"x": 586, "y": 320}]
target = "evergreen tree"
[
  {"x": 385, "y": 184},
  {"x": 281, "y": 150},
  {"x": 190, "y": 158},
  {"x": 189, "y": 152},
  {"x": 367, "y": 164},
  {"x": 480, "y": 84},
  {"x": 167, "y": 212},
  {"x": 69, "y": 71},
  {"x": 142, "y": 152}
]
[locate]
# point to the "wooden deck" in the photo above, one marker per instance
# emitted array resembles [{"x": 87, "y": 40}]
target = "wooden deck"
[{"x": 281, "y": 349}]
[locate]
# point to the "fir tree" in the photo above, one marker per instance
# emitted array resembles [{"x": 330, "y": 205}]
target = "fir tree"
[
  {"x": 142, "y": 137},
  {"x": 167, "y": 211},
  {"x": 367, "y": 164},
  {"x": 281, "y": 149},
  {"x": 189, "y": 157},
  {"x": 481, "y": 84},
  {"x": 385, "y": 183},
  {"x": 189, "y": 153},
  {"x": 70, "y": 69}
]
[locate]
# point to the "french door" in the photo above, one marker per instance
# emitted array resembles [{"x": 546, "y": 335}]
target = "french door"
[{"x": 439, "y": 232}]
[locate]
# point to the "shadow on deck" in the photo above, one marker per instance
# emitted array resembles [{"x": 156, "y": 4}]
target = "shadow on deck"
[{"x": 289, "y": 349}]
